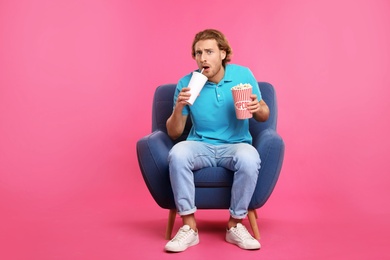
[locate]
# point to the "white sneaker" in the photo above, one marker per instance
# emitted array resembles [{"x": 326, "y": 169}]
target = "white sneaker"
[
  {"x": 184, "y": 238},
  {"x": 240, "y": 236}
]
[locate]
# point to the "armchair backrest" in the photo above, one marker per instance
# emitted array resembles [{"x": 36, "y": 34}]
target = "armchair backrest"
[{"x": 163, "y": 106}]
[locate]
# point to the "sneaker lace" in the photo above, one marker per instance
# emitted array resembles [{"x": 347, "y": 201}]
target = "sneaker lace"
[
  {"x": 181, "y": 235},
  {"x": 242, "y": 232}
]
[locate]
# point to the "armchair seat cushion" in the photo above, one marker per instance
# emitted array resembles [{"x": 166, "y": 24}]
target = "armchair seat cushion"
[{"x": 213, "y": 177}]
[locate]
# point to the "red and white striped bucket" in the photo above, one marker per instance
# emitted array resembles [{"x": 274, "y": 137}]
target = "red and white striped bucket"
[{"x": 241, "y": 97}]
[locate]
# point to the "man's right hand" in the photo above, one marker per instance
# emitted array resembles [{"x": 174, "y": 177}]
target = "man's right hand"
[{"x": 183, "y": 97}]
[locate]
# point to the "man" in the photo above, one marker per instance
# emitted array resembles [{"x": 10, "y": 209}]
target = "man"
[{"x": 217, "y": 138}]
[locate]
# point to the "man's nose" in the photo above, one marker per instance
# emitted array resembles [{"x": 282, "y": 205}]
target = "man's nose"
[{"x": 203, "y": 57}]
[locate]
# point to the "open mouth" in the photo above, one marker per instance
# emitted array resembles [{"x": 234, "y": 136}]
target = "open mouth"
[{"x": 206, "y": 68}]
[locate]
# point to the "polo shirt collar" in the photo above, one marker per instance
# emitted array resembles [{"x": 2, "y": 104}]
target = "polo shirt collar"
[{"x": 228, "y": 75}]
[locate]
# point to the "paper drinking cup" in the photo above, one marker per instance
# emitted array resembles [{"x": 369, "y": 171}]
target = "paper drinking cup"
[
  {"x": 198, "y": 80},
  {"x": 242, "y": 96}
]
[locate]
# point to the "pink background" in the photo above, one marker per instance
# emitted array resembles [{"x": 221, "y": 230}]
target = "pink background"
[{"x": 76, "y": 86}]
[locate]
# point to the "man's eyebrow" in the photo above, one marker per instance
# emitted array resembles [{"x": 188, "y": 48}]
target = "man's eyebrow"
[{"x": 208, "y": 49}]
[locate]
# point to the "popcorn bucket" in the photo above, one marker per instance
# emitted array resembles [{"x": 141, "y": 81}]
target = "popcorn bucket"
[{"x": 241, "y": 96}]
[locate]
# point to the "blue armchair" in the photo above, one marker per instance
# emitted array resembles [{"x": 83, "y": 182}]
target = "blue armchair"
[{"x": 212, "y": 184}]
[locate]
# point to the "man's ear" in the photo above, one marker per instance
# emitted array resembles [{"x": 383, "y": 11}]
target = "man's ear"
[{"x": 223, "y": 55}]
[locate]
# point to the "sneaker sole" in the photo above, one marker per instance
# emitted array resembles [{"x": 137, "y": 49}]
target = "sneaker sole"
[
  {"x": 257, "y": 247},
  {"x": 181, "y": 249}
]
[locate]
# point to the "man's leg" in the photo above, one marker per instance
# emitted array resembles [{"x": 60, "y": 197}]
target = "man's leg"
[
  {"x": 184, "y": 158},
  {"x": 244, "y": 160}
]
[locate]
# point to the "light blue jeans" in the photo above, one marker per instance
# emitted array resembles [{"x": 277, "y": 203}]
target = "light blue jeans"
[{"x": 188, "y": 156}]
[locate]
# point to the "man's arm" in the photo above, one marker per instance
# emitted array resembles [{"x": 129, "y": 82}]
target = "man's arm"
[
  {"x": 177, "y": 121},
  {"x": 259, "y": 109}
]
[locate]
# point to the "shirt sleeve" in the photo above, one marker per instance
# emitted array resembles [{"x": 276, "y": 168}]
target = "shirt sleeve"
[{"x": 255, "y": 85}]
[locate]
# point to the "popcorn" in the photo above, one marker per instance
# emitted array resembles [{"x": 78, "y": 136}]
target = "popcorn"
[{"x": 242, "y": 86}]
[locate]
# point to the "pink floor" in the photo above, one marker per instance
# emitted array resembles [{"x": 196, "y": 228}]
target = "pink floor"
[
  {"x": 77, "y": 79},
  {"x": 120, "y": 222}
]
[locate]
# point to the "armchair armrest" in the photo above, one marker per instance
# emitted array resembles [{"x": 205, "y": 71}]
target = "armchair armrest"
[
  {"x": 152, "y": 153},
  {"x": 271, "y": 148}
]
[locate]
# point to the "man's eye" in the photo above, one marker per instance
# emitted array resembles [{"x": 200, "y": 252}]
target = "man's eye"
[
  {"x": 198, "y": 53},
  {"x": 209, "y": 52}
]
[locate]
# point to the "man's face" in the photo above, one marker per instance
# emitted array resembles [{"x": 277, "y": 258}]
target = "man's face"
[{"x": 209, "y": 57}]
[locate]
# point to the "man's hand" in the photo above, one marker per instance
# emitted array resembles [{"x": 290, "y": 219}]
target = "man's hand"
[
  {"x": 259, "y": 109},
  {"x": 183, "y": 97},
  {"x": 254, "y": 105}
]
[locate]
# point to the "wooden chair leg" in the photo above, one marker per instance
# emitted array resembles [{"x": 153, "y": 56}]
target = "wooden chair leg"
[
  {"x": 171, "y": 223},
  {"x": 252, "y": 216}
]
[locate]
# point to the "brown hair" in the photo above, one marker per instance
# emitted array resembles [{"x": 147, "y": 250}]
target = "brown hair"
[{"x": 222, "y": 42}]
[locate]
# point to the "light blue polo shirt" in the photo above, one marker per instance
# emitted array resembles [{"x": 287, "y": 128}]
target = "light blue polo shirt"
[{"x": 213, "y": 115}]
